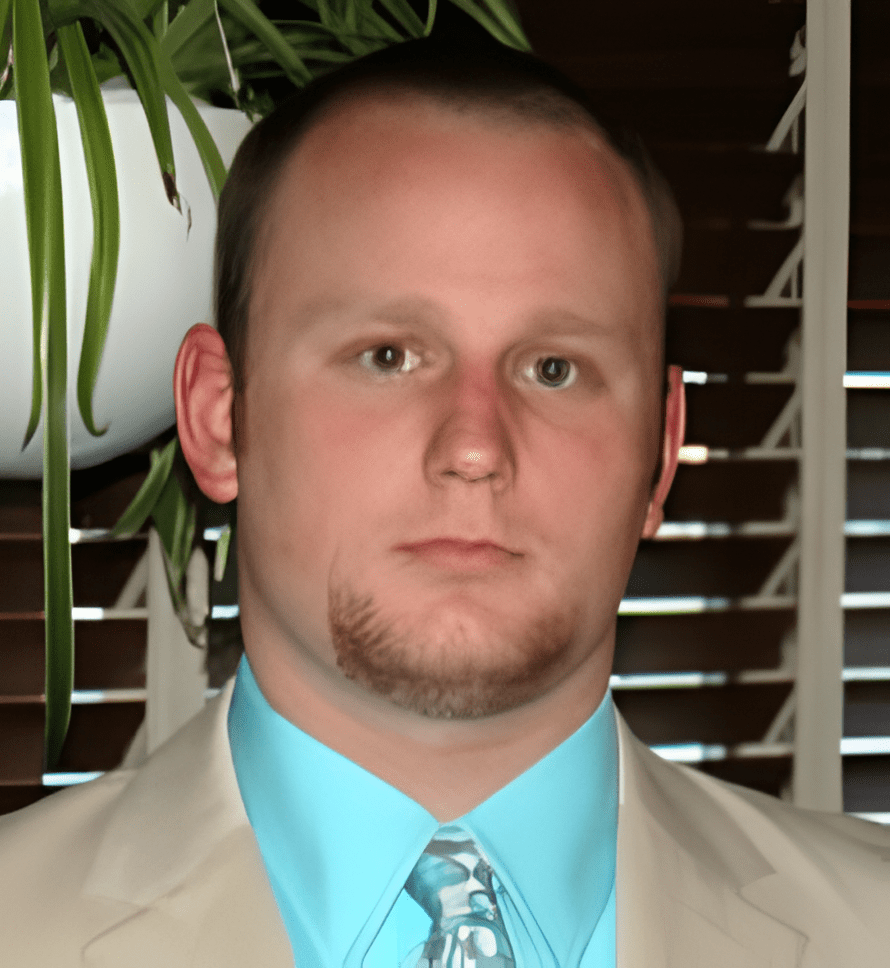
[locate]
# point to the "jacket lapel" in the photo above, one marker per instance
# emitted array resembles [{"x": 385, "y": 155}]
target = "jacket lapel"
[
  {"x": 223, "y": 915},
  {"x": 181, "y": 883},
  {"x": 683, "y": 865},
  {"x": 180, "y": 860}
]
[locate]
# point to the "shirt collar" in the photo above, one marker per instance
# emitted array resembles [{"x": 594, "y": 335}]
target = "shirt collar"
[
  {"x": 551, "y": 834},
  {"x": 339, "y": 843}
]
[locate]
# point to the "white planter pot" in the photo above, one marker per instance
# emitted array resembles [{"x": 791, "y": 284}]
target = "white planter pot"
[{"x": 163, "y": 285}]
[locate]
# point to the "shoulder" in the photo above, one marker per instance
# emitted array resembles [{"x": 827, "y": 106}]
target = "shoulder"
[
  {"x": 92, "y": 855},
  {"x": 827, "y": 867},
  {"x": 824, "y": 875},
  {"x": 686, "y": 799},
  {"x": 46, "y": 853},
  {"x": 847, "y": 844},
  {"x": 72, "y": 814}
]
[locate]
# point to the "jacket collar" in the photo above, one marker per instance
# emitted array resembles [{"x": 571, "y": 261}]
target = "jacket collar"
[
  {"x": 689, "y": 875},
  {"x": 179, "y": 856}
]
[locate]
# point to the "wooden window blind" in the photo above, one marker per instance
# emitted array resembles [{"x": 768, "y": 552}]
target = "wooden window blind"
[
  {"x": 866, "y": 722},
  {"x": 708, "y": 631}
]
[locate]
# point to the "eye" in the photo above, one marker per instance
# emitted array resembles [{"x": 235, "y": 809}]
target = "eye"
[
  {"x": 389, "y": 358},
  {"x": 552, "y": 371}
]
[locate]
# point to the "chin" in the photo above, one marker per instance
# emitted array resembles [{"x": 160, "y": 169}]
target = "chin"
[{"x": 456, "y": 661}]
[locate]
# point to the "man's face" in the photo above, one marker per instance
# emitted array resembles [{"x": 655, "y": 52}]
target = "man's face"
[{"x": 451, "y": 413}]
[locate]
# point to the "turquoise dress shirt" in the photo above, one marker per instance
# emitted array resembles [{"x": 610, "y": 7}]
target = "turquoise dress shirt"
[{"x": 338, "y": 844}]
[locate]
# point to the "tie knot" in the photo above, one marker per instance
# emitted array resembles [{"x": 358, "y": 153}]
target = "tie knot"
[
  {"x": 452, "y": 882},
  {"x": 451, "y": 879}
]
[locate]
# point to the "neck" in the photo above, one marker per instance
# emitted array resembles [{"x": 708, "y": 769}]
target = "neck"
[{"x": 447, "y": 766}]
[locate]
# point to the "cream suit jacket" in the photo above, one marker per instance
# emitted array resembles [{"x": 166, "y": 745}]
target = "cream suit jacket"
[{"x": 157, "y": 867}]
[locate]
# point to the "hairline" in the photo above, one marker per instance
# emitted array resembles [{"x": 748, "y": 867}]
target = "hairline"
[{"x": 546, "y": 108}]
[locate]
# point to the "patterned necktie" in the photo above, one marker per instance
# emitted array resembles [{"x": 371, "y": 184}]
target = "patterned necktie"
[{"x": 452, "y": 883}]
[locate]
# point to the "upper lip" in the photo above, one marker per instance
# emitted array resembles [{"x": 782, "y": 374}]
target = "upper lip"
[{"x": 462, "y": 542}]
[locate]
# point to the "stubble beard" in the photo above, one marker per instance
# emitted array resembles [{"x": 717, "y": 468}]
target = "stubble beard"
[{"x": 442, "y": 680}]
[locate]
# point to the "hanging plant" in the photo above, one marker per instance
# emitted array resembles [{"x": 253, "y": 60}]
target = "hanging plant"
[{"x": 222, "y": 51}]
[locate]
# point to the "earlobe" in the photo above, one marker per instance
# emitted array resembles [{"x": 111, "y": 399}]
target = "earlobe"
[
  {"x": 674, "y": 430},
  {"x": 203, "y": 391}
]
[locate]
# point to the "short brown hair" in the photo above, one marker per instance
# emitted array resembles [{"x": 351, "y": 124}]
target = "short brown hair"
[{"x": 467, "y": 76}]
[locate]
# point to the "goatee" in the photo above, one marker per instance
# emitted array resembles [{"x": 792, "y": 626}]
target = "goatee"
[{"x": 456, "y": 679}]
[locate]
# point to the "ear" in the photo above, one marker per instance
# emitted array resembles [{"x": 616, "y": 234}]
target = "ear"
[
  {"x": 674, "y": 429},
  {"x": 203, "y": 390}
]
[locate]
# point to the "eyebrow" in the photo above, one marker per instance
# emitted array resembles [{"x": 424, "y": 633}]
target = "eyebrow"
[
  {"x": 410, "y": 309},
  {"x": 413, "y": 310}
]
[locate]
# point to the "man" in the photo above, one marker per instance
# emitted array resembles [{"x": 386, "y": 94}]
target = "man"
[{"x": 438, "y": 393}]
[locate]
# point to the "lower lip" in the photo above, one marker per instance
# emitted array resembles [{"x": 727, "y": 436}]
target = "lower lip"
[{"x": 457, "y": 555}]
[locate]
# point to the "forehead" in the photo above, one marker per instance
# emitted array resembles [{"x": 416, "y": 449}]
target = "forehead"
[
  {"x": 361, "y": 128},
  {"x": 411, "y": 172},
  {"x": 361, "y": 133}
]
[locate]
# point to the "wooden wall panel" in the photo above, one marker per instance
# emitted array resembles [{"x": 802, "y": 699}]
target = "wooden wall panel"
[
  {"x": 868, "y": 565},
  {"x": 704, "y": 641},
  {"x": 21, "y": 741},
  {"x": 731, "y": 491},
  {"x": 868, "y": 489},
  {"x": 21, "y": 565},
  {"x": 867, "y": 637},
  {"x": 731, "y": 567},
  {"x": 18, "y": 796},
  {"x": 721, "y": 715},
  {"x": 868, "y": 337},
  {"x": 732, "y": 415},
  {"x": 99, "y": 735},
  {"x": 867, "y": 784},
  {"x": 698, "y": 176},
  {"x": 866, "y": 709},
  {"x": 769, "y": 774},
  {"x": 729, "y": 339},
  {"x": 100, "y": 571},
  {"x": 868, "y": 418}
]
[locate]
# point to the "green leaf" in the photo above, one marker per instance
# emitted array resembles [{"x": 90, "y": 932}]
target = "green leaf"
[
  {"x": 142, "y": 56},
  {"x": 5, "y": 16},
  {"x": 6, "y": 74},
  {"x": 57, "y": 513},
  {"x": 368, "y": 36},
  {"x": 234, "y": 79},
  {"x": 211, "y": 159},
  {"x": 345, "y": 14},
  {"x": 319, "y": 43},
  {"x": 160, "y": 21},
  {"x": 145, "y": 9},
  {"x": 105, "y": 64},
  {"x": 499, "y": 19},
  {"x": 102, "y": 177},
  {"x": 147, "y": 496},
  {"x": 326, "y": 15},
  {"x": 191, "y": 19},
  {"x": 222, "y": 553},
  {"x": 37, "y": 139},
  {"x": 402, "y": 12},
  {"x": 430, "y": 18},
  {"x": 249, "y": 14},
  {"x": 260, "y": 57},
  {"x": 154, "y": 75},
  {"x": 174, "y": 518},
  {"x": 43, "y": 212}
]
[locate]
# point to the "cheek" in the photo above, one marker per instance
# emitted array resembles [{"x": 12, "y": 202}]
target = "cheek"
[
  {"x": 602, "y": 457},
  {"x": 324, "y": 466},
  {"x": 595, "y": 484}
]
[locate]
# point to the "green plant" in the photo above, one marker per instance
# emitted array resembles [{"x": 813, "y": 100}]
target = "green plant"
[{"x": 227, "y": 51}]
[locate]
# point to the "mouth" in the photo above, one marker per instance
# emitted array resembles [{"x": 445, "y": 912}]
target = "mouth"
[{"x": 457, "y": 554}]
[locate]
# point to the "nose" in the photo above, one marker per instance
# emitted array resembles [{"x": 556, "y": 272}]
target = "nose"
[{"x": 471, "y": 441}]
